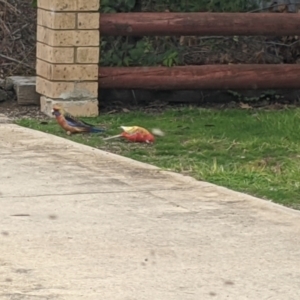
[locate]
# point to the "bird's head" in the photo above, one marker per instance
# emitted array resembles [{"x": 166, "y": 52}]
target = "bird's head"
[{"x": 57, "y": 110}]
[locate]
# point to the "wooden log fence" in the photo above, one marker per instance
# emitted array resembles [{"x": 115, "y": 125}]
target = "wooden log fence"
[
  {"x": 202, "y": 77},
  {"x": 244, "y": 76},
  {"x": 201, "y": 24}
]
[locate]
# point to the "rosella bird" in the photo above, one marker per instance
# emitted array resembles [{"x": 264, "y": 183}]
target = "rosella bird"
[
  {"x": 136, "y": 134},
  {"x": 72, "y": 125}
]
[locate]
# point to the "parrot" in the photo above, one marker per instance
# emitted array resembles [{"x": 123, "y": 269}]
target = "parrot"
[
  {"x": 134, "y": 134},
  {"x": 72, "y": 125}
]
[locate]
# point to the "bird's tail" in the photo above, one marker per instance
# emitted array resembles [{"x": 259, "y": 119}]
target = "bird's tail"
[
  {"x": 96, "y": 129},
  {"x": 112, "y": 137}
]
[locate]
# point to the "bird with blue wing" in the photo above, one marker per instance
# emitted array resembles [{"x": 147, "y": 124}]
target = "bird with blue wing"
[{"x": 71, "y": 124}]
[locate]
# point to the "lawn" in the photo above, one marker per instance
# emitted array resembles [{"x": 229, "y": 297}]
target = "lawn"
[{"x": 256, "y": 152}]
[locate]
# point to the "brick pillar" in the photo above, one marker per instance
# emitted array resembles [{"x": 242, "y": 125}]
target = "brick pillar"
[{"x": 68, "y": 41}]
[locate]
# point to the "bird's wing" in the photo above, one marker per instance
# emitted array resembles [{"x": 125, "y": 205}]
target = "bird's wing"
[
  {"x": 72, "y": 121},
  {"x": 85, "y": 123}
]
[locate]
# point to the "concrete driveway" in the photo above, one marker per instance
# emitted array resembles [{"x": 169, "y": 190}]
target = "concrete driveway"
[{"x": 79, "y": 223}]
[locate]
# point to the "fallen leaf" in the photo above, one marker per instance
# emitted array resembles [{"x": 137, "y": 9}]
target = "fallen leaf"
[
  {"x": 112, "y": 112},
  {"x": 245, "y": 106}
]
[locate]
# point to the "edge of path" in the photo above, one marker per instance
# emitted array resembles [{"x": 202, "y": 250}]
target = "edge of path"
[{"x": 177, "y": 176}]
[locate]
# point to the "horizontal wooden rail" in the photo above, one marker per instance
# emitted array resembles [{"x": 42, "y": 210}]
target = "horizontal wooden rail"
[
  {"x": 201, "y": 24},
  {"x": 202, "y": 77}
]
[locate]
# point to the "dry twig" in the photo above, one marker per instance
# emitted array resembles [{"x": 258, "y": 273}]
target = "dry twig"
[{"x": 16, "y": 61}]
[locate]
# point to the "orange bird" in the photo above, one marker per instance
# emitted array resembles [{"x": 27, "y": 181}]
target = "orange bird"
[{"x": 72, "y": 125}]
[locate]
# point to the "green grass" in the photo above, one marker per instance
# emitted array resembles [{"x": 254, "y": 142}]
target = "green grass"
[{"x": 253, "y": 152}]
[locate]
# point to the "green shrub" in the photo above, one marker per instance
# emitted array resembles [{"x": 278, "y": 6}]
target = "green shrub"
[{"x": 166, "y": 51}]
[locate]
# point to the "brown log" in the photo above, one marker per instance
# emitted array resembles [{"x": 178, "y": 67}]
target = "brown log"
[
  {"x": 180, "y": 24},
  {"x": 202, "y": 77}
]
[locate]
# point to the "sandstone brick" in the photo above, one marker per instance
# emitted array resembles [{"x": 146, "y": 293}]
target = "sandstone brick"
[
  {"x": 58, "y": 5},
  {"x": 67, "y": 72},
  {"x": 67, "y": 90},
  {"x": 90, "y": 5},
  {"x": 87, "y": 55},
  {"x": 68, "y": 38},
  {"x": 56, "y": 20},
  {"x": 83, "y": 108},
  {"x": 88, "y": 21},
  {"x": 55, "y": 54},
  {"x": 69, "y": 5}
]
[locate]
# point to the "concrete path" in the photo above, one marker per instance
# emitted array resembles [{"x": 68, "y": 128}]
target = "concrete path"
[{"x": 79, "y": 223}]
